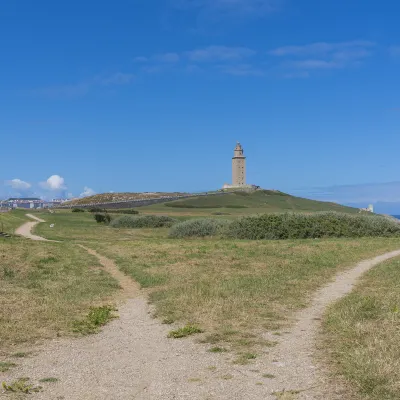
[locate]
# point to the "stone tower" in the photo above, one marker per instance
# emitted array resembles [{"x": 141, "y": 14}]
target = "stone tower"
[{"x": 238, "y": 166}]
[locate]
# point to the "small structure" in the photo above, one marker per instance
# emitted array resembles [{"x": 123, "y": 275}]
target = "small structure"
[{"x": 370, "y": 208}]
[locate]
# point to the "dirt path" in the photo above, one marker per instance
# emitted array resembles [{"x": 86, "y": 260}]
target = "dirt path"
[
  {"x": 132, "y": 358},
  {"x": 26, "y": 229}
]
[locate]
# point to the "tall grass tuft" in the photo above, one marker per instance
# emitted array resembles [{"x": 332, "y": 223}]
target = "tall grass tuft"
[
  {"x": 198, "y": 228},
  {"x": 317, "y": 225},
  {"x": 145, "y": 221}
]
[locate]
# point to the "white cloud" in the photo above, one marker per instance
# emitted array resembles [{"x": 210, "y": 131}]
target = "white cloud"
[
  {"x": 219, "y": 53},
  {"x": 323, "y": 55},
  {"x": 87, "y": 192},
  {"x": 18, "y": 184},
  {"x": 55, "y": 182},
  {"x": 322, "y": 48}
]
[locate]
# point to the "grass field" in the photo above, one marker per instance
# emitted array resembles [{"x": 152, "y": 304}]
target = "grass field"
[
  {"x": 242, "y": 203},
  {"x": 44, "y": 288},
  {"x": 231, "y": 290},
  {"x": 362, "y": 332},
  {"x": 235, "y": 290},
  {"x": 9, "y": 221}
]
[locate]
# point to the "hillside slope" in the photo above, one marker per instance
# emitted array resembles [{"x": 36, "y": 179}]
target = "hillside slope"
[
  {"x": 259, "y": 201},
  {"x": 111, "y": 197}
]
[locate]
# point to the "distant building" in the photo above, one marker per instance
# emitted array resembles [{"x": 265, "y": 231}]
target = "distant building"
[
  {"x": 27, "y": 202},
  {"x": 370, "y": 208}
]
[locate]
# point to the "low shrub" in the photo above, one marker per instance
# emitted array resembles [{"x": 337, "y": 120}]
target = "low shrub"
[
  {"x": 124, "y": 211},
  {"x": 96, "y": 210},
  {"x": 102, "y": 218},
  {"x": 78, "y": 209},
  {"x": 145, "y": 221},
  {"x": 199, "y": 228},
  {"x": 317, "y": 225}
]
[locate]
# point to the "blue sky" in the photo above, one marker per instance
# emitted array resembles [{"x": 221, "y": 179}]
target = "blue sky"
[{"x": 152, "y": 95}]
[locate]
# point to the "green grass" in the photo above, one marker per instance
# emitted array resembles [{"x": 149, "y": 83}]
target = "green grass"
[
  {"x": 9, "y": 221},
  {"x": 241, "y": 203},
  {"x": 81, "y": 227},
  {"x": 21, "y": 385},
  {"x": 187, "y": 330},
  {"x": 48, "y": 380},
  {"x": 362, "y": 332},
  {"x": 236, "y": 289},
  {"x": 5, "y": 366},
  {"x": 96, "y": 318},
  {"x": 44, "y": 288}
]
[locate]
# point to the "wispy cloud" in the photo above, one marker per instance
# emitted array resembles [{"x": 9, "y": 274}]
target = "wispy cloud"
[
  {"x": 219, "y": 53},
  {"x": 323, "y": 55},
  {"x": 18, "y": 184},
  {"x": 81, "y": 88},
  {"x": 241, "y": 70},
  {"x": 61, "y": 91},
  {"x": 362, "y": 193},
  {"x": 322, "y": 48},
  {"x": 167, "y": 57},
  {"x": 224, "y": 8},
  {"x": 87, "y": 191},
  {"x": 118, "y": 78}
]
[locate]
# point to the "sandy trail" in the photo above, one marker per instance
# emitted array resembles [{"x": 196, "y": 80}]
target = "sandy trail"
[
  {"x": 132, "y": 358},
  {"x": 26, "y": 229}
]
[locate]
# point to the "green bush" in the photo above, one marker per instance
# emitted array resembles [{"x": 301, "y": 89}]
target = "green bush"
[
  {"x": 317, "y": 225},
  {"x": 102, "y": 218},
  {"x": 145, "y": 221},
  {"x": 124, "y": 211},
  {"x": 198, "y": 228},
  {"x": 78, "y": 209},
  {"x": 96, "y": 210}
]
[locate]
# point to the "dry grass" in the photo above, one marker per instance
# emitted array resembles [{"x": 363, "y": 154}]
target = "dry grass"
[
  {"x": 363, "y": 334},
  {"x": 44, "y": 287},
  {"x": 235, "y": 290}
]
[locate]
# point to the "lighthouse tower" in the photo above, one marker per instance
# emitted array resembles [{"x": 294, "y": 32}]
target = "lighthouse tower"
[{"x": 238, "y": 166}]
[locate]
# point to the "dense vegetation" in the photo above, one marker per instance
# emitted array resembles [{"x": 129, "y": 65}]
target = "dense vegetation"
[
  {"x": 198, "y": 228},
  {"x": 145, "y": 221},
  {"x": 317, "y": 225},
  {"x": 290, "y": 226}
]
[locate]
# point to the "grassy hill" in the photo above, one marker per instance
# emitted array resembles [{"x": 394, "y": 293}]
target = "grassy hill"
[
  {"x": 260, "y": 201},
  {"x": 110, "y": 197}
]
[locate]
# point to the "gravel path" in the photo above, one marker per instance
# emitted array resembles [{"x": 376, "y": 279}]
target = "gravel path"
[
  {"x": 26, "y": 229},
  {"x": 132, "y": 358}
]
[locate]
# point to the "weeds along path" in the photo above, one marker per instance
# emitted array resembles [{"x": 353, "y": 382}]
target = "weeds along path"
[
  {"x": 132, "y": 358},
  {"x": 292, "y": 361},
  {"x": 128, "y": 285}
]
